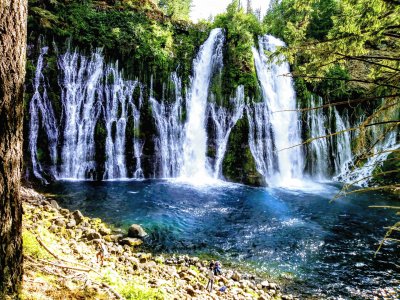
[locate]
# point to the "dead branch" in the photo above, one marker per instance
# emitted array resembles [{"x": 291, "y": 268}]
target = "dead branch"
[{"x": 64, "y": 260}]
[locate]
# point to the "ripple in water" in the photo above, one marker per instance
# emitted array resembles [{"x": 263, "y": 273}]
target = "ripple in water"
[{"x": 327, "y": 248}]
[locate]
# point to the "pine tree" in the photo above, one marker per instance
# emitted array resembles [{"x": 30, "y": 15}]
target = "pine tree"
[{"x": 13, "y": 24}]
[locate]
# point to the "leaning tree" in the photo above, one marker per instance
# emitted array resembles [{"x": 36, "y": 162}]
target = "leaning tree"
[{"x": 13, "y": 27}]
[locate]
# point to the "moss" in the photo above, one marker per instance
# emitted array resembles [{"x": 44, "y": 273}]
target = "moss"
[
  {"x": 31, "y": 246},
  {"x": 239, "y": 164},
  {"x": 242, "y": 31}
]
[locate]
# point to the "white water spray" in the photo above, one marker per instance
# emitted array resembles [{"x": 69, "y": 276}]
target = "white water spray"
[
  {"x": 275, "y": 124},
  {"x": 169, "y": 143},
  {"x": 40, "y": 103},
  {"x": 81, "y": 99},
  {"x": 224, "y": 121},
  {"x": 195, "y": 165},
  {"x": 118, "y": 100}
]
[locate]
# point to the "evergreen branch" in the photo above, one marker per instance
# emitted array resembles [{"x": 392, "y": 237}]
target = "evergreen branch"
[
  {"x": 342, "y": 79},
  {"x": 367, "y": 61},
  {"x": 342, "y": 192},
  {"x": 319, "y": 137},
  {"x": 385, "y": 122},
  {"x": 354, "y": 101}
]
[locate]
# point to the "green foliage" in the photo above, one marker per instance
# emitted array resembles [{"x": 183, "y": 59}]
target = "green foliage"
[
  {"x": 242, "y": 30},
  {"x": 137, "y": 32},
  {"x": 389, "y": 172},
  {"x": 178, "y": 9}
]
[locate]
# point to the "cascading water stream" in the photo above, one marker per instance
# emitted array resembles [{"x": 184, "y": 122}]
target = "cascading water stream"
[
  {"x": 137, "y": 143},
  {"x": 343, "y": 155},
  {"x": 169, "y": 143},
  {"x": 318, "y": 149},
  {"x": 274, "y": 124},
  {"x": 224, "y": 121},
  {"x": 40, "y": 103},
  {"x": 195, "y": 165},
  {"x": 81, "y": 99},
  {"x": 118, "y": 100}
]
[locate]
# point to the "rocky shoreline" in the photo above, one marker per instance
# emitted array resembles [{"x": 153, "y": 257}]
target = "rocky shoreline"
[{"x": 60, "y": 250}]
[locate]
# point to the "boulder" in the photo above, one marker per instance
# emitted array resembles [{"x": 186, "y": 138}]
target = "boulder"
[
  {"x": 54, "y": 204},
  {"x": 104, "y": 231},
  {"x": 136, "y": 231},
  {"x": 77, "y": 215},
  {"x": 93, "y": 235},
  {"x": 236, "y": 276},
  {"x": 264, "y": 284},
  {"x": 131, "y": 241},
  {"x": 64, "y": 211},
  {"x": 59, "y": 222},
  {"x": 71, "y": 224}
]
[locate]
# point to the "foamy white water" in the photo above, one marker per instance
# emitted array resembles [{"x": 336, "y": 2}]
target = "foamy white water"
[
  {"x": 272, "y": 131},
  {"x": 195, "y": 165}
]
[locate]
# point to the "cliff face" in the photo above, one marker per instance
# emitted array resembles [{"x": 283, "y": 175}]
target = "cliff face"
[{"x": 131, "y": 68}]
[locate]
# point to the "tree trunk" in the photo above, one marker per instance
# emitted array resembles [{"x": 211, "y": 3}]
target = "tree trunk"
[{"x": 13, "y": 24}]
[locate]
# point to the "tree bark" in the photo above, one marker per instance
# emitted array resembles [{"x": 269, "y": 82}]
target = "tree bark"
[{"x": 13, "y": 27}]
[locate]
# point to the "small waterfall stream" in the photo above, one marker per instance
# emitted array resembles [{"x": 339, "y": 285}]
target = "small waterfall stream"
[
  {"x": 318, "y": 159},
  {"x": 343, "y": 155},
  {"x": 118, "y": 102},
  {"x": 195, "y": 165},
  {"x": 274, "y": 123},
  {"x": 224, "y": 121},
  {"x": 169, "y": 143},
  {"x": 40, "y": 103},
  {"x": 81, "y": 94}
]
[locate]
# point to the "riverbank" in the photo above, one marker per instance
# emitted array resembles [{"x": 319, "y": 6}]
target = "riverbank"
[{"x": 60, "y": 248}]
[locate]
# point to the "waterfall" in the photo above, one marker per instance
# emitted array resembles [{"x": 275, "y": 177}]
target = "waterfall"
[
  {"x": 224, "y": 121},
  {"x": 169, "y": 143},
  {"x": 342, "y": 155},
  {"x": 380, "y": 151},
  {"x": 40, "y": 103},
  {"x": 118, "y": 100},
  {"x": 81, "y": 97},
  {"x": 137, "y": 143},
  {"x": 209, "y": 58},
  {"x": 261, "y": 139},
  {"x": 274, "y": 124},
  {"x": 318, "y": 150}
]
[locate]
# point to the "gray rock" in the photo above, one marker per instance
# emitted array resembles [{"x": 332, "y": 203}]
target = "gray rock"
[
  {"x": 116, "y": 237},
  {"x": 71, "y": 224},
  {"x": 131, "y": 241},
  {"x": 59, "y": 222},
  {"x": 53, "y": 228},
  {"x": 236, "y": 276},
  {"x": 64, "y": 211},
  {"x": 54, "y": 204},
  {"x": 104, "y": 231},
  {"x": 136, "y": 231},
  {"x": 78, "y": 216},
  {"x": 92, "y": 235}
]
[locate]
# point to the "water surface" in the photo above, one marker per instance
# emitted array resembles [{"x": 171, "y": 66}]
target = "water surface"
[{"x": 327, "y": 248}]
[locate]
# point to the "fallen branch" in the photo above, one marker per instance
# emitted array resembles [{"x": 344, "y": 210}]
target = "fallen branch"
[
  {"x": 64, "y": 266},
  {"x": 62, "y": 259}
]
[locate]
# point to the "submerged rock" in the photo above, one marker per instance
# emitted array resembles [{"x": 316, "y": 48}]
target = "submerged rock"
[{"x": 136, "y": 231}]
